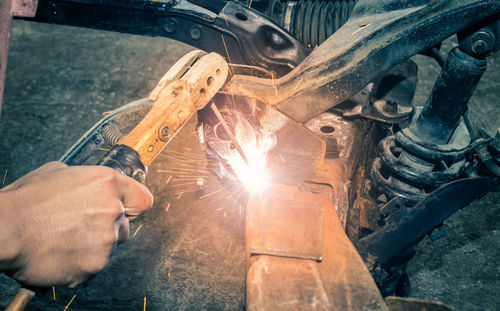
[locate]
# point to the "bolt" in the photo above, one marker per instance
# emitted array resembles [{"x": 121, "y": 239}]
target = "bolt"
[
  {"x": 164, "y": 133},
  {"x": 481, "y": 42},
  {"x": 151, "y": 148},
  {"x": 480, "y": 47},
  {"x": 170, "y": 24},
  {"x": 195, "y": 32},
  {"x": 391, "y": 107}
]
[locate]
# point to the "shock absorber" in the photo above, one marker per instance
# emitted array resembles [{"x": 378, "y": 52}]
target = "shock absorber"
[
  {"x": 311, "y": 21},
  {"x": 430, "y": 151}
]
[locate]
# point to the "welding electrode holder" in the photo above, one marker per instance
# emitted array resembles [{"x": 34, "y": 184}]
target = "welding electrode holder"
[{"x": 126, "y": 161}]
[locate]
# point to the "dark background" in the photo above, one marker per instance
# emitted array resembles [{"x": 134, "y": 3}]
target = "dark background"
[{"x": 60, "y": 81}]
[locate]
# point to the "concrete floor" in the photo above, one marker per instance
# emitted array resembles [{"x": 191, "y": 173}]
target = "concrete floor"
[{"x": 59, "y": 82}]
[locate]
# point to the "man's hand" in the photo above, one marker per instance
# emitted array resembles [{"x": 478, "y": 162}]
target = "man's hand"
[{"x": 58, "y": 224}]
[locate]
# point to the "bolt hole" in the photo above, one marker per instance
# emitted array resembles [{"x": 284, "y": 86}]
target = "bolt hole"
[
  {"x": 217, "y": 72},
  {"x": 202, "y": 91},
  {"x": 241, "y": 16},
  {"x": 210, "y": 80},
  {"x": 327, "y": 129}
]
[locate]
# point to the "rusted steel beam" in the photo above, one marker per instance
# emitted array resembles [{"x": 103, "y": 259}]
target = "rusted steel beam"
[{"x": 340, "y": 281}]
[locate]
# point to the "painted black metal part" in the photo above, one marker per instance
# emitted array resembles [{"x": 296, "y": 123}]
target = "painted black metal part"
[
  {"x": 126, "y": 161},
  {"x": 248, "y": 36},
  {"x": 414, "y": 222},
  {"x": 449, "y": 97}
]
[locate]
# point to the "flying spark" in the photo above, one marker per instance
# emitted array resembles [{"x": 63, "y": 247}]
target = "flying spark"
[
  {"x": 69, "y": 303},
  {"x": 209, "y": 194},
  {"x": 227, "y": 53},
  {"x": 137, "y": 230}
]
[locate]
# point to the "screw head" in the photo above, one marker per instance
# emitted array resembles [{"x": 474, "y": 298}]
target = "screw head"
[
  {"x": 164, "y": 133},
  {"x": 170, "y": 24},
  {"x": 479, "y": 47},
  {"x": 195, "y": 32}
]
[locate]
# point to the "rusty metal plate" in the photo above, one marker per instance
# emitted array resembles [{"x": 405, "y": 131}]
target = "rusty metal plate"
[
  {"x": 286, "y": 222},
  {"x": 340, "y": 281}
]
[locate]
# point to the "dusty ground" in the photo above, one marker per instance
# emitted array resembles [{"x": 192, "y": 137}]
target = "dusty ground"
[{"x": 59, "y": 82}]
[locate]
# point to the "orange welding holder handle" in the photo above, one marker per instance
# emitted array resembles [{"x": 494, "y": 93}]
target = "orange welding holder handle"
[{"x": 176, "y": 100}]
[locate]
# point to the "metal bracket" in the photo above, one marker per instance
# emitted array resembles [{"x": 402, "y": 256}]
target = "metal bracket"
[{"x": 286, "y": 222}]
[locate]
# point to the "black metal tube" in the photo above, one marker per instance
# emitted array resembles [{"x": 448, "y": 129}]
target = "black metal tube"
[
  {"x": 449, "y": 97},
  {"x": 126, "y": 161}
]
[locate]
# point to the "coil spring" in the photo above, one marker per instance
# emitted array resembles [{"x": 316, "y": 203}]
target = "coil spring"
[
  {"x": 111, "y": 133},
  {"x": 410, "y": 170},
  {"x": 313, "y": 21}
]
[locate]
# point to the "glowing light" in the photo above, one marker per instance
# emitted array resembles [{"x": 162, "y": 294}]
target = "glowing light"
[{"x": 254, "y": 176}]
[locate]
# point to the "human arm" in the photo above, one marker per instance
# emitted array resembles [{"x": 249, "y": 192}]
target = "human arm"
[{"x": 62, "y": 222}]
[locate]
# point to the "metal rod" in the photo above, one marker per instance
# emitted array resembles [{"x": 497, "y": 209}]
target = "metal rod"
[
  {"x": 229, "y": 133},
  {"x": 21, "y": 300}
]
